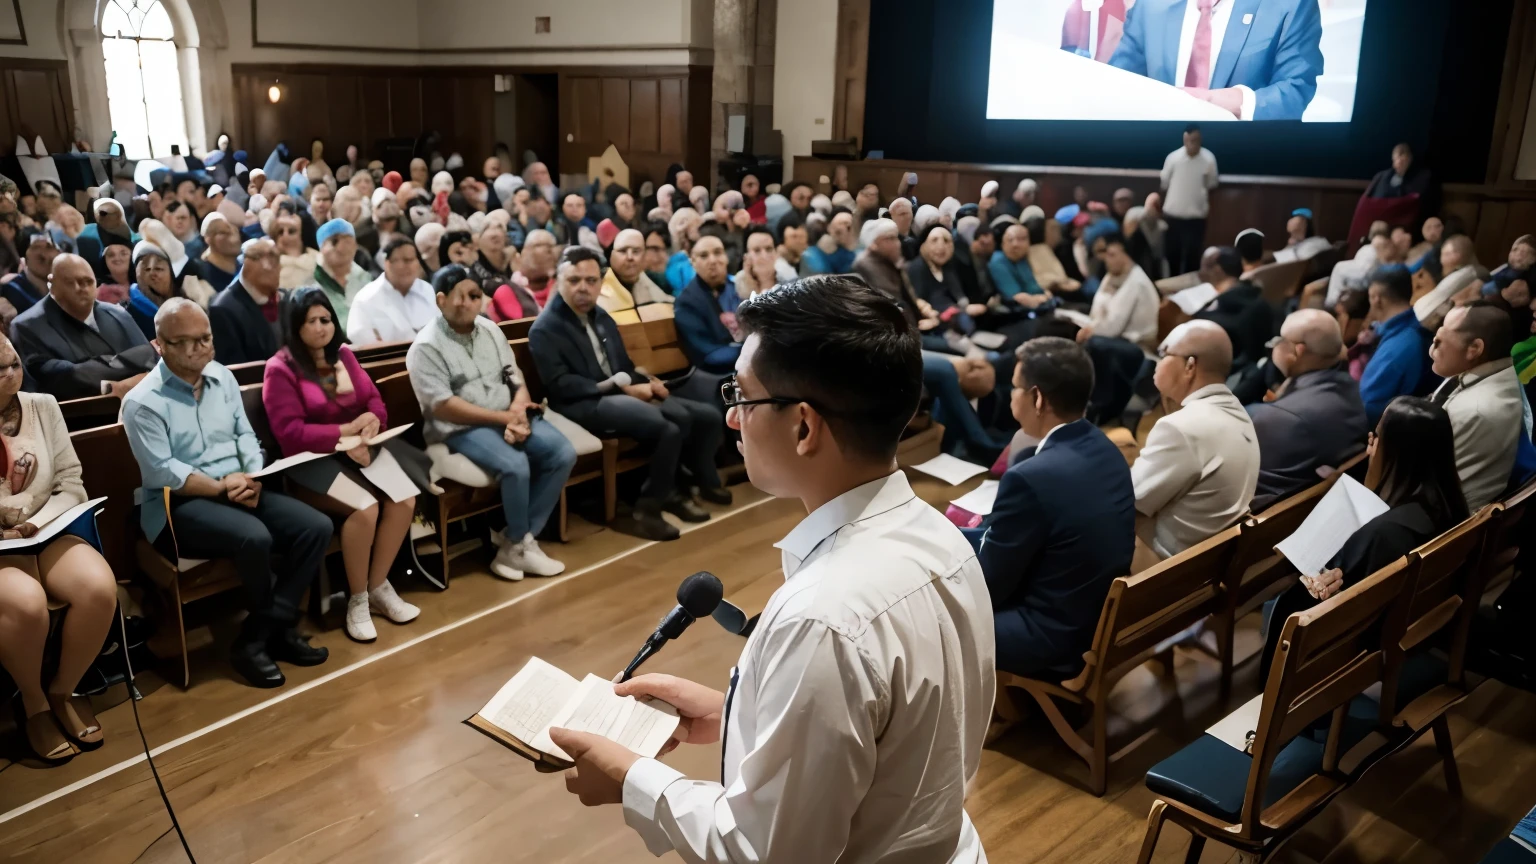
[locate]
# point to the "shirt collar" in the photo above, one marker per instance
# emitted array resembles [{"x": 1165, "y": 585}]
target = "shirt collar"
[
  {"x": 855, "y": 505},
  {"x": 1485, "y": 370},
  {"x": 1209, "y": 391},
  {"x": 467, "y": 341},
  {"x": 168, "y": 379},
  {"x": 1041, "y": 445},
  {"x": 1397, "y": 322}
]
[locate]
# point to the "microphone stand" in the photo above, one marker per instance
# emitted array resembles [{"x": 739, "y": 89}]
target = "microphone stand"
[{"x": 651, "y": 647}]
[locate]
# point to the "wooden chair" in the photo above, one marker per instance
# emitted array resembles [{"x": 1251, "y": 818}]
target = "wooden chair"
[
  {"x": 1280, "y": 282},
  {"x": 1141, "y": 614},
  {"x": 249, "y": 373},
  {"x": 1321, "y": 264},
  {"x": 1504, "y": 533},
  {"x": 666, "y": 354},
  {"x": 518, "y": 329},
  {"x": 377, "y": 369},
  {"x": 1327, "y": 656},
  {"x": 381, "y": 351},
  {"x": 108, "y": 469}
]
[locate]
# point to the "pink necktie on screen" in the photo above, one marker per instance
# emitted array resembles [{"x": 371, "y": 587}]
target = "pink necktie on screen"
[{"x": 1200, "y": 58}]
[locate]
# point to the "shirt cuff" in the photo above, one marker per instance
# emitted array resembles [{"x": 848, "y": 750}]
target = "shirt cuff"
[
  {"x": 644, "y": 785},
  {"x": 1250, "y": 102}
]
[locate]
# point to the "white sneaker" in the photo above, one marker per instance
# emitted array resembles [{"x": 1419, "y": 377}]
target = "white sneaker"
[
  {"x": 531, "y": 559},
  {"x": 386, "y": 602},
  {"x": 506, "y": 564},
  {"x": 359, "y": 622}
]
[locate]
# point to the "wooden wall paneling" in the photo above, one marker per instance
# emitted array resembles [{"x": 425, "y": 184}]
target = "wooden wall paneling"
[
  {"x": 697, "y": 108},
  {"x": 616, "y": 113},
  {"x": 673, "y": 119},
  {"x": 404, "y": 107},
  {"x": 851, "y": 70},
  {"x": 344, "y": 118},
  {"x": 439, "y": 110},
  {"x": 1514, "y": 99},
  {"x": 373, "y": 107},
  {"x": 644, "y": 116},
  {"x": 35, "y": 100}
]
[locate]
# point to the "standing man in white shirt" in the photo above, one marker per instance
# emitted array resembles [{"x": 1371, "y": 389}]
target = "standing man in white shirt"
[
  {"x": 1189, "y": 175},
  {"x": 395, "y": 306},
  {"x": 855, "y": 717}
]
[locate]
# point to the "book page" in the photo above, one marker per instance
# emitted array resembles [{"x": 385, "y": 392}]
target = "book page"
[
  {"x": 640, "y": 726},
  {"x": 53, "y": 527},
  {"x": 1234, "y": 729},
  {"x": 524, "y": 706},
  {"x": 287, "y": 462},
  {"x": 1341, "y": 512},
  {"x": 950, "y": 469},
  {"x": 979, "y": 500},
  {"x": 1191, "y": 300}
]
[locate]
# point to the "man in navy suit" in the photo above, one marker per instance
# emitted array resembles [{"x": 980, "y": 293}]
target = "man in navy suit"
[
  {"x": 1258, "y": 59},
  {"x": 1064, "y": 524}
]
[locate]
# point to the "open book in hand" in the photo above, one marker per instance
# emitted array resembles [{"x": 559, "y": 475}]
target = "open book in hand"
[
  {"x": 541, "y": 696},
  {"x": 352, "y": 442},
  {"x": 51, "y": 529}
]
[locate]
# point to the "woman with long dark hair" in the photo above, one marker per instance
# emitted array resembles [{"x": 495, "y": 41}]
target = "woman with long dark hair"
[
  {"x": 317, "y": 398},
  {"x": 1413, "y": 468}
]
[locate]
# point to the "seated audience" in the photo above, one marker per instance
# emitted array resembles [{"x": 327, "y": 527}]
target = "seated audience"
[
  {"x": 974, "y": 248},
  {"x": 395, "y": 306},
  {"x": 43, "y": 484},
  {"x": 220, "y": 258},
  {"x": 338, "y": 273},
  {"x": 935, "y": 280},
  {"x": 1064, "y": 523},
  {"x": 590, "y": 378},
  {"x": 1405, "y": 177},
  {"x": 1011, "y": 272},
  {"x": 658, "y": 251},
  {"x": 494, "y": 263},
  {"x": 30, "y": 284},
  {"x": 626, "y": 285},
  {"x": 298, "y": 262},
  {"x": 835, "y": 252},
  {"x": 247, "y": 316},
  {"x": 706, "y": 311},
  {"x": 114, "y": 270},
  {"x": 1481, "y": 393},
  {"x": 1400, "y": 364},
  {"x": 1522, "y": 257},
  {"x": 1413, "y": 469},
  {"x": 277, "y": 544},
  {"x": 1431, "y": 236},
  {"x": 1316, "y": 419},
  {"x": 1250, "y": 249},
  {"x": 1462, "y": 281},
  {"x": 529, "y": 288},
  {"x": 1301, "y": 240},
  {"x": 74, "y": 346},
  {"x": 880, "y": 266},
  {"x": 473, "y": 400},
  {"x": 111, "y": 225},
  {"x": 1353, "y": 272},
  {"x": 1239, "y": 307},
  {"x": 1125, "y": 304},
  {"x": 1043, "y": 263},
  {"x": 758, "y": 272},
  {"x": 684, "y": 230},
  {"x": 316, "y": 395},
  {"x": 153, "y": 285},
  {"x": 1200, "y": 466},
  {"x": 458, "y": 247}
]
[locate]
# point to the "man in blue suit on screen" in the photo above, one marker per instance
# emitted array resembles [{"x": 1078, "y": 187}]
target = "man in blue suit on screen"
[{"x": 1258, "y": 59}]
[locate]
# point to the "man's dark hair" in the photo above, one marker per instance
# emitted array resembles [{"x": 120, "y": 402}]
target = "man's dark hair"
[
  {"x": 451, "y": 238},
  {"x": 1430, "y": 264},
  {"x": 1060, "y": 369},
  {"x": 1036, "y": 226},
  {"x": 844, "y": 348},
  {"x": 1113, "y": 238},
  {"x": 653, "y": 227},
  {"x": 574, "y": 255},
  {"x": 791, "y": 186},
  {"x": 1229, "y": 261},
  {"x": 30, "y": 233},
  {"x": 1251, "y": 247},
  {"x": 1395, "y": 281},
  {"x": 534, "y": 193},
  {"x": 447, "y": 278},
  {"x": 286, "y": 208},
  {"x": 1191, "y": 128},
  {"x": 757, "y": 229},
  {"x": 397, "y": 243},
  {"x": 789, "y": 220},
  {"x": 1488, "y": 322},
  {"x": 1356, "y": 303}
]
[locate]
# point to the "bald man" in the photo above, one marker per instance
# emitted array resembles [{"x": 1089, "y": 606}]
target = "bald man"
[
  {"x": 625, "y": 285},
  {"x": 1317, "y": 419},
  {"x": 1200, "y": 467},
  {"x": 74, "y": 346},
  {"x": 1481, "y": 392}
]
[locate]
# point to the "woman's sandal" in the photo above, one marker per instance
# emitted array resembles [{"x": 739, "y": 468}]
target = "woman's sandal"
[
  {"x": 77, "y": 720},
  {"x": 46, "y": 740}
]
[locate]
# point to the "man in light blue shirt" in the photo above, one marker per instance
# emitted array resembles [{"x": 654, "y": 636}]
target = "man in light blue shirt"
[{"x": 195, "y": 448}]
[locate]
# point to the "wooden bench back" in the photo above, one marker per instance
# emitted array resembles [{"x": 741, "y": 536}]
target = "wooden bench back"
[
  {"x": 1505, "y": 529},
  {"x": 1280, "y": 282},
  {"x": 90, "y": 412},
  {"x": 518, "y": 329},
  {"x": 384, "y": 368},
  {"x": 107, "y": 468},
  {"x": 1327, "y": 655},
  {"x": 1322, "y": 263},
  {"x": 1447, "y": 579},
  {"x": 666, "y": 354},
  {"x": 524, "y": 354},
  {"x": 248, "y": 373},
  {"x": 380, "y": 351},
  {"x": 1144, "y": 610},
  {"x": 256, "y": 412},
  {"x": 1261, "y": 533}
]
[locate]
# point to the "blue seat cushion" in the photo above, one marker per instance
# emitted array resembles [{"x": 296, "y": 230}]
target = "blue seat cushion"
[{"x": 1509, "y": 852}]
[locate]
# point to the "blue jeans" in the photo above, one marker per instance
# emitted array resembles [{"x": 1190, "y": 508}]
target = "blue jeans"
[
  {"x": 951, "y": 408},
  {"x": 531, "y": 473}
]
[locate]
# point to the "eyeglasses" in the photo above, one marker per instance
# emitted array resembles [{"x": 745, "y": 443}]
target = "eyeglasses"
[
  {"x": 203, "y": 341},
  {"x": 1163, "y": 353},
  {"x": 731, "y": 395}
]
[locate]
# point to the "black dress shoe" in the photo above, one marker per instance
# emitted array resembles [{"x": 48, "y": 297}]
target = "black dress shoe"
[
  {"x": 718, "y": 495},
  {"x": 646, "y": 523},
  {"x": 684, "y": 508},
  {"x": 256, "y": 666},
  {"x": 289, "y": 647}
]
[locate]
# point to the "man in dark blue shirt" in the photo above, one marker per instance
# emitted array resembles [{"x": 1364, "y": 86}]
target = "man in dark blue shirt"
[{"x": 1400, "y": 365}]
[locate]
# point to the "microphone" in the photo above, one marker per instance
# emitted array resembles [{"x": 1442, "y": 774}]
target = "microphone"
[{"x": 697, "y": 597}]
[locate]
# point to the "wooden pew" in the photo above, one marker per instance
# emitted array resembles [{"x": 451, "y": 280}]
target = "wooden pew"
[
  {"x": 666, "y": 355},
  {"x": 1141, "y": 613},
  {"x": 248, "y": 373},
  {"x": 518, "y": 329},
  {"x": 108, "y": 469},
  {"x": 380, "y": 351},
  {"x": 90, "y": 412},
  {"x": 1280, "y": 282}
]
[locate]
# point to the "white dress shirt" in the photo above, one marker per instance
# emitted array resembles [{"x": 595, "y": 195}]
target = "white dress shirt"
[
  {"x": 1487, "y": 419},
  {"x": 1188, "y": 181},
  {"x": 1199, "y": 470},
  {"x": 1221, "y": 16},
  {"x": 856, "y": 713},
  {"x": 1125, "y": 307},
  {"x": 380, "y": 313}
]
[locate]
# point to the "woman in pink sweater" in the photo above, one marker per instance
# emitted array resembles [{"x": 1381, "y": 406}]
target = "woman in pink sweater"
[{"x": 319, "y": 400}]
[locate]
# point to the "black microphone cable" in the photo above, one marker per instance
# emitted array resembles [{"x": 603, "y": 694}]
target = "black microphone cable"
[{"x": 133, "y": 700}]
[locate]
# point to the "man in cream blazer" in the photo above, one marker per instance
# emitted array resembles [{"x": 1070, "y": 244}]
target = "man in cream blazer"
[
  {"x": 1198, "y": 472},
  {"x": 1481, "y": 392}
]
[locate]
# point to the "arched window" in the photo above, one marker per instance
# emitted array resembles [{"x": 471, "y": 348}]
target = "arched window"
[{"x": 143, "y": 81}]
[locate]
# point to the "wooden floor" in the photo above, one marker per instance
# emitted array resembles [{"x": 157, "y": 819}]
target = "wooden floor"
[{"x": 371, "y": 762}]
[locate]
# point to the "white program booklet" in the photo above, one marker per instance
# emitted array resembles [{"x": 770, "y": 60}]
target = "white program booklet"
[
  {"x": 1235, "y": 728},
  {"x": 541, "y": 697},
  {"x": 979, "y": 500},
  {"x": 949, "y": 469},
  {"x": 1191, "y": 300},
  {"x": 51, "y": 530},
  {"x": 351, "y": 442},
  {"x": 1343, "y": 511}
]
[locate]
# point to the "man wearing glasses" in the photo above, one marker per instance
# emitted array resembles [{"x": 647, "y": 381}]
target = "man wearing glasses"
[
  {"x": 247, "y": 316},
  {"x": 855, "y": 716},
  {"x": 195, "y": 448},
  {"x": 1200, "y": 467}
]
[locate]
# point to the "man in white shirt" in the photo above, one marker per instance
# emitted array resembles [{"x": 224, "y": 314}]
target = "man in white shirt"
[
  {"x": 1189, "y": 175},
  {"x": 1200, "y": 467},
  {"x": 395, "y": 306},
  {"x": 855, "y": 716},
  {"x": 1481, "y": 392}
]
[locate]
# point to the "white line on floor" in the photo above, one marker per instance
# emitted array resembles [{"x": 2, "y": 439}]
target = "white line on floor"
[{"x": 331, "y": 676}]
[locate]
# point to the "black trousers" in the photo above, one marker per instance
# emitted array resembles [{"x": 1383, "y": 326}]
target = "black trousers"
[
  {"x": 1184, "y": 244},
  {"x": 278, "y": 546},
  {"x": 677, "y": 431}
]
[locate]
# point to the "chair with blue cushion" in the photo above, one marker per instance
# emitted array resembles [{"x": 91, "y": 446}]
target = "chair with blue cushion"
[
  {"x": 1327, "y": 656},
  {"x": 1141, "y": 615}
]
